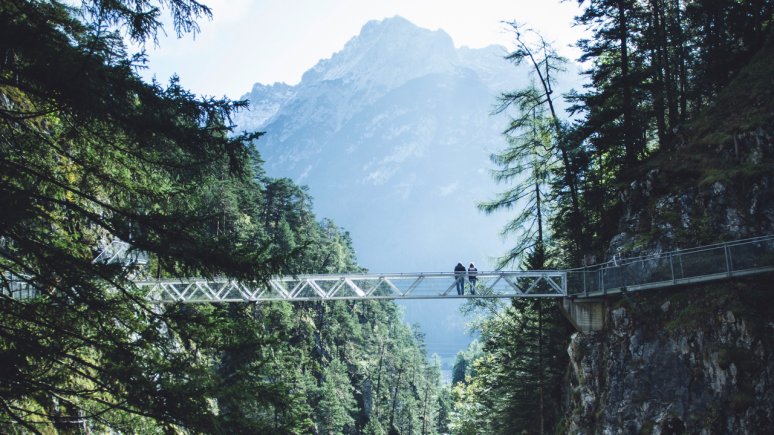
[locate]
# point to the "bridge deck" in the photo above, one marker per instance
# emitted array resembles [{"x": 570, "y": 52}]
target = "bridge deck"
[{"x": 661, "y": 270}]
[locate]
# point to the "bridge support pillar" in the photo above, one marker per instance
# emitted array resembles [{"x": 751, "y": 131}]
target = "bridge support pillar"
[{"x": 586, "y": 315}]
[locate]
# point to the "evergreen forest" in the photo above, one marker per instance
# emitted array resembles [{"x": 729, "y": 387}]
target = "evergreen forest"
[{"x": 91, "y": 153}]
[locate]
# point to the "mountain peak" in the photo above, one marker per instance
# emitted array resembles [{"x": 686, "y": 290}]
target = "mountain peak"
[
  {"x": 387, "y": 52},
  {"x": 395, "y": 23},
  {"x": 384, "y": 56}
]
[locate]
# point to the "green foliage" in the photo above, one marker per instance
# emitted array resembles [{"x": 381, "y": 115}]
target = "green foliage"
[
  {"x": 463, "y": 368},
  {"x": 90, "y": 153},
  {"x": 654, "y": 68},
  {"x": 516, "y": 379},
  {"x": 336, "y": 404},
  {"x": 541, "y": 162},
  {"x": 744, "y": 105}
]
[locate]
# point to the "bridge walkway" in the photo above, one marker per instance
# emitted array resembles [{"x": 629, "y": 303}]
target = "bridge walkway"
[{"x": 662, "y": 270}]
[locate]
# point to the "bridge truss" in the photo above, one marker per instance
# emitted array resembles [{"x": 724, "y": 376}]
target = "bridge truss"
[{"x": 361, "y": 286}]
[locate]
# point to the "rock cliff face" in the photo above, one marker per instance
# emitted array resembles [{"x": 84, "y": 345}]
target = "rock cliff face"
[
  {"x": 718, "y": 192},
  {"x": 690, "y": 360},
  {"x": 687, "y": 361},
  {"x": 699, "y": 359}
]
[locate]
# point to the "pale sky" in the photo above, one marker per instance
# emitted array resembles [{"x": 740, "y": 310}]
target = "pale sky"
[{"x": 271, "y": 41}]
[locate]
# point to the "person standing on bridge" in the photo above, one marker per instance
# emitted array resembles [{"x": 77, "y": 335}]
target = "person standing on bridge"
[
  {"x": 472, "y": 277},
  {"x": 459, "y": 278}
]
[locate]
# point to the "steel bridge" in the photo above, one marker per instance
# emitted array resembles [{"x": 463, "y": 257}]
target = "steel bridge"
[
  {"x": 362, "y": 286},
  {"x": 661, "y": 270}
]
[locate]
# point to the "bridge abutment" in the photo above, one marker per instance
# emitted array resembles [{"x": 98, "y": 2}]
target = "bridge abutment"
[{"x": 587, "y": 314}]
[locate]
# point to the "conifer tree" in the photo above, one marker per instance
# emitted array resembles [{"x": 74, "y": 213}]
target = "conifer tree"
[{"x": 539, "y": 156}]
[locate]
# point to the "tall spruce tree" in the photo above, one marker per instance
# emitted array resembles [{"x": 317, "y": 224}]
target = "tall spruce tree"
[
  {"x": 613, "y": 118},
  {"x": 515, "y": 384},
  {"x": 527, "y": 164},
  {"x": 540, "y": 155}
]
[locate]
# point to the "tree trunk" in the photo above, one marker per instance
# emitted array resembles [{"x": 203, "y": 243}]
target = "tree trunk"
[
  {"x": 568, "y": 173},
  {"x": 378, "y": 383},
  {"x": 668, "y": 68},
  {"x": 424, "y": 407},
  {"x": 395, "y": 398},
  {"x": 681, "y": 53},
  {"x": 540, "y": 257},
  {"x": 540, "y": 365},
  {"x": 658, "y": 67},
  {"x": 629, "y": 141}
]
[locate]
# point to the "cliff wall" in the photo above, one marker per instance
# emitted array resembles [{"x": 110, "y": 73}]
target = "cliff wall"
[
  {"x": 693, "y": 360},
  {"x": 698, "y": 359}
]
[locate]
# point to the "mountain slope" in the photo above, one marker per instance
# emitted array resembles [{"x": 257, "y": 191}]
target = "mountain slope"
[{"x": 392, "y": 135}]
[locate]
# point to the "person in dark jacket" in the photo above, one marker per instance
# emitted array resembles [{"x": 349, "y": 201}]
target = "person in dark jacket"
[
  {"x": 459, "y": 278},
  {"x": 472, "y": 272}
]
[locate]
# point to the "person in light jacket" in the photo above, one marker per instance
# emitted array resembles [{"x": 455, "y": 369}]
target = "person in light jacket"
[{"x": 472, "y": 277}]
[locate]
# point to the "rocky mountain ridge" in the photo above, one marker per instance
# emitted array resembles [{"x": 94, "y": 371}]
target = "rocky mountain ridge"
[
  {"x": 385, "y": 55},
  {"x": 694, "y": 361}
]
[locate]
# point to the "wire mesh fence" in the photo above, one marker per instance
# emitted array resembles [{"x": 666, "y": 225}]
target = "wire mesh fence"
[
  {"x": 17, "y": 287},
  {"x": 700, "y": 264}
]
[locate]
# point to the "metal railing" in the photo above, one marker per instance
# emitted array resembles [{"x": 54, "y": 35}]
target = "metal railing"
[
  {"x": 17, "y": 287},
  {"x": 362, "y": 286},
  {"x": 122, "y": 253},
  {"x": 701, "y": 264},
  {"x": 117, "y": 252}
]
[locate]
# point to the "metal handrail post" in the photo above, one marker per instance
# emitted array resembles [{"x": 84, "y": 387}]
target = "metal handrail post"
[
  {"x": 602, "y": 280},
  {"x": 623, "y": 275},
  {"x": 727, "y": 255},
  {"x": 672, "y": 267},
  {"x": 585, "y": 286}
]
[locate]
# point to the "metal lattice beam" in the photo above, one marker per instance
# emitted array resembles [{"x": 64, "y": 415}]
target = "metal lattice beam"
[{"x": 359, "y": 286}]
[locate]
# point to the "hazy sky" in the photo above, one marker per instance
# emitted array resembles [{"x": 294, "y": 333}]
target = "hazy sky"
[{"x": 269, "y": 41}]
